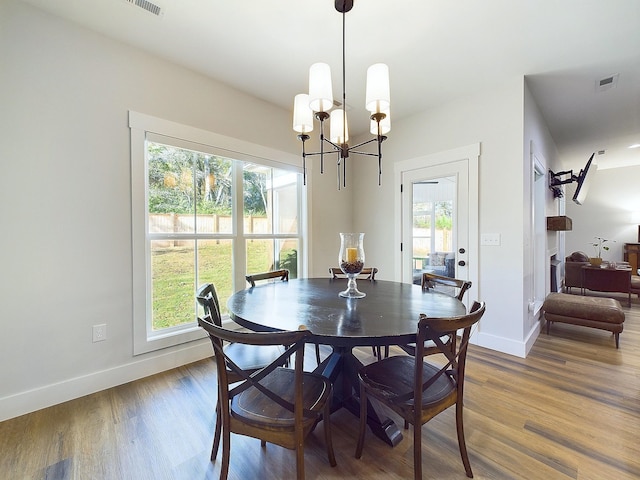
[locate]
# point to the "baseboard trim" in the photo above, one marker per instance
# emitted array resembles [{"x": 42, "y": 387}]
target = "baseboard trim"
[
  {"x": 532, "y": 336},
  {"x": 42, "y": 397},
  {"x": 501, "y": 344}
]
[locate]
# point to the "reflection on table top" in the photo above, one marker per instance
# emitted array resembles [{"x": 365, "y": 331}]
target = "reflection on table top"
[{"x": 390, "y": 309}]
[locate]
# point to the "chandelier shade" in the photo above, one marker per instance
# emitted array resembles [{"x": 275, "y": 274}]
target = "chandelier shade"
[
  {"x": 318, "y": 104},
  {"x": 320, "y": 90},
  {"x": 377, "y": 98},
  {"x": 339, "y": 128},
  {"x": 302, "y": 114}
]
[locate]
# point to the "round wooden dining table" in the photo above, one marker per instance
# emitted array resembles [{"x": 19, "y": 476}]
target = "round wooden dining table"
[{"x": 388, "y": 315}]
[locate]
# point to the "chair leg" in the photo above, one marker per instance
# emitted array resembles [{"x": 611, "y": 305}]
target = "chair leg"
[
  {"x": 326, "y": 417},
  {"x": 226, "y": 448},
  {"x": 218, "y": 430},
  {"x": 461, "y": 442},
  {"x": 417, "y": 450},
  {"x": 300, "y": 462},
  {"x": 363, "y": 421}
]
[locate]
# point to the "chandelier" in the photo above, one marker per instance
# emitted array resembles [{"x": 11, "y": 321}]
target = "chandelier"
[{"x": 319, "y": 101}]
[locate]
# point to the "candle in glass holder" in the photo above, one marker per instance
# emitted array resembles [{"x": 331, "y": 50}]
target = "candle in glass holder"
[{"x": 352, "y": 254}]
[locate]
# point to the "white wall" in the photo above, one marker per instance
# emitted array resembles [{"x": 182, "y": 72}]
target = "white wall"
[
  {"x": 538, "y": 142},
  {"x": 611, "y": 211},
  {"x": 495, "y": 120},
  {"x": 65, "y": 200}
]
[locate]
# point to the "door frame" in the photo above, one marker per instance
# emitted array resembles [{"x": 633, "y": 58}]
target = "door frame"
[{"x": 470, "y": 154}]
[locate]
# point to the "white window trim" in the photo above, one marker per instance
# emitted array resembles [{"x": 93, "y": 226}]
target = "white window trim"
[{"x": 142, "y": 125}]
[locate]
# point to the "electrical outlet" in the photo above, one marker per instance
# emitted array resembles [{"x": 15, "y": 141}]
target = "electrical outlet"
[
  {"x": 492, "y": 239},
  {"x": 99, "y": 332}
]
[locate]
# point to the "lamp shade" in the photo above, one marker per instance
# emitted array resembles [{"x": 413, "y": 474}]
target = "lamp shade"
[
  {"x": 320, "y": 91},
  {"x": 385, "y": 124},
  {"x": 378, "y": 97},
  {"x": 339, "y": 131},
  {"x": 302, "y": 114}
]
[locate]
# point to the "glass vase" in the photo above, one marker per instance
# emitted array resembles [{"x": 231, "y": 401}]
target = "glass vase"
[{"x": 351, "y": 261}]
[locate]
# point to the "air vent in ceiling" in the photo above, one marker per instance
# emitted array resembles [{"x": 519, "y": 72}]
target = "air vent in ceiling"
[
  {"x": 148, "y": 6},
  {"x": 607, "y": 83}
]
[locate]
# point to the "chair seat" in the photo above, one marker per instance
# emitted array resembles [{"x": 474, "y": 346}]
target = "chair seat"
[
  {"x": 252, "y": 357},
  {"x": 250, "y": 406},
  {"x": 395, "y": 375}
]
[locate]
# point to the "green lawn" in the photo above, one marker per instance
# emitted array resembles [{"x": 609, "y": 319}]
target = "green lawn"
[{"x": 173, "y": 276}]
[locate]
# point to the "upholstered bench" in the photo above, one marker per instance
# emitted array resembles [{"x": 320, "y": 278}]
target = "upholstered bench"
[{"x": 595, "y": 312}]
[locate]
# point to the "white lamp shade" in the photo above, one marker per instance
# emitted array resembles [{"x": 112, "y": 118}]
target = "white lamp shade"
[
  {"x": 385, "y": 124},
  {"x": 320, "y": 91},
  {"x": 339, "y": 131},
  {"x": 378, "y": 97},
  {"x": 302, "y": 114}
]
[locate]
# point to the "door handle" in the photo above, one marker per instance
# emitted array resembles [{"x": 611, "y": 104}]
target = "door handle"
[{"x": 462, "y": 263}]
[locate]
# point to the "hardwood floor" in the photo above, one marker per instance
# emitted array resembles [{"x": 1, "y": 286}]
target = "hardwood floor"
[{"x": 570, "y": 410}]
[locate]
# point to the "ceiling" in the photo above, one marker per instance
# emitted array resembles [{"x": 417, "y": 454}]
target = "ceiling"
[{"x": 437, "y": 51}]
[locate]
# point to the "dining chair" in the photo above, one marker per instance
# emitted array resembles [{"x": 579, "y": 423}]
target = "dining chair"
[
  {"x": 447, "y": 285},
  {"x": 370, "y": 272},
  {"x": 249, "y": 357},
  {"x": 283, "y": 275},
  {"x": 418, "y": 390},
  {"x": 274, "y": 404}
]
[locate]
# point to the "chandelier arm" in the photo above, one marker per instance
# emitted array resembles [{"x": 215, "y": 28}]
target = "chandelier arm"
[
  {"x": 374, "y": 139},
  {"x": 322, "y": 144},
  {"x": 369, "y": 154},
  {"x": 380, "y": 140},
  {"x": 304, "y": 164},
  {"x": 311, "y": 154},
  {"x": 334, "y": 145},
  {"x": 344, "y": 172}
]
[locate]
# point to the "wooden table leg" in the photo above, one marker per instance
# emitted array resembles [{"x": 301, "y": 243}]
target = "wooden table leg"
[{"x": 341, "y": 367}]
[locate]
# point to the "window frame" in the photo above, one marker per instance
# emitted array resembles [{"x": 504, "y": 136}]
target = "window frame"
[{"x": 145, "y": 127}]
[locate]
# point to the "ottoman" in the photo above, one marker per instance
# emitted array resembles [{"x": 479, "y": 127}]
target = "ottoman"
[{"x": 595, "y": 312}]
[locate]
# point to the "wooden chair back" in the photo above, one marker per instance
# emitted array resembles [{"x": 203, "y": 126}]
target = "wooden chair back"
[
  {"x": 275, "y": 404},
  {"x": 448, "y": 285},
  {"x": 370, "y": 272},
  {"x": 207, "y": 296},
  {"x": 282, "y": 274},
  {"x": 435, "y": 387},
  {"x": 440, "y": 282},
  {"x": 249, "y": 357}
]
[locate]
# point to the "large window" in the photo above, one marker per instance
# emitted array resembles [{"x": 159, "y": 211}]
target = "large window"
[{"x": 208, "y": 215}]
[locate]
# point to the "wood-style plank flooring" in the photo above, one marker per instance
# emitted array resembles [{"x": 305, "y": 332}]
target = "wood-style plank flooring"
[{"x": 570, "y": 410}]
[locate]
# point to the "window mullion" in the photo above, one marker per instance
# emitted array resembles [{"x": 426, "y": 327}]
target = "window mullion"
[{"x": 239, "y": 250}]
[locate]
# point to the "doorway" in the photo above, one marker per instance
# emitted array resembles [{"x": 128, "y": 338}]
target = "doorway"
[{"x": 438, "y": 215}]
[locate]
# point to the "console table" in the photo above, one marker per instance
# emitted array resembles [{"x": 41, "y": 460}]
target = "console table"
[
  {"x": 631, "y": 252},
  {"x": 606, "y": 280}
]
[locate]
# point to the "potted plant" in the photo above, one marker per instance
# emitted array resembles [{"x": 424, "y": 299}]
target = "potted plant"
[{"x": 599, "y": 245}]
